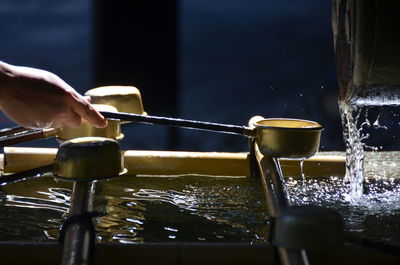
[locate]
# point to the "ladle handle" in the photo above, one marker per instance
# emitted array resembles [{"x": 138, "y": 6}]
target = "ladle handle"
[
  {"x": 30, "y": 173},
  {"x": 191, "y": 124},
  {"x": 26, "y": 136},
  {"x": 13, "y": 130}
]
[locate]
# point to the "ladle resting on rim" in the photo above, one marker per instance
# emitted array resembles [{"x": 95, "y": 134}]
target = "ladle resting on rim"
[{"x": 291, "y": 138}]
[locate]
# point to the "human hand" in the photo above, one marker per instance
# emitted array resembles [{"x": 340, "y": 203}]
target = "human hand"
[{"x": 39, "y": 99}]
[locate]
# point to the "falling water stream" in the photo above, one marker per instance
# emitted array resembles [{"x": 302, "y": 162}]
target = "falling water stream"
[
  {"x": 368, "y": 197},
  {"x": 367, "y": 128},
  {"x": 352, "y": 134}
]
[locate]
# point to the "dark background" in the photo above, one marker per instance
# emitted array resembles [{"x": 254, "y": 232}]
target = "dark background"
[{"x": 220, "y": 61}]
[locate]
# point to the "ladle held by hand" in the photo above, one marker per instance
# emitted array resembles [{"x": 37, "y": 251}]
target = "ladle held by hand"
[
  {"x": 190, "y": 124},
  {"x": 291, "y": 138}
]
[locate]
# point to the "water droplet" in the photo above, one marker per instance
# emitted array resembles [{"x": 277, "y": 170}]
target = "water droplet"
[
  {"x": 377, "y": 124},
  {"x": 170, "y": 229},
  {"x": 303, "y": 178}
]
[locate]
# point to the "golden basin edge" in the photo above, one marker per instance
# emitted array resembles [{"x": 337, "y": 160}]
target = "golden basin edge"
[{"x": 16, "y": 159}]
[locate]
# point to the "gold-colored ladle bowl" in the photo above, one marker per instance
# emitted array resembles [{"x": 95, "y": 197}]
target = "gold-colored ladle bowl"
[
  {"x": 113, "y": 129},
  {"x": 123, "y": 98},
  {"x": 289, "y": 138},
  {"x": 89, "y": 158}
]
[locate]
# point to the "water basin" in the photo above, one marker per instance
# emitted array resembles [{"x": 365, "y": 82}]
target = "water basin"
[{"x": 141, "y": 209}]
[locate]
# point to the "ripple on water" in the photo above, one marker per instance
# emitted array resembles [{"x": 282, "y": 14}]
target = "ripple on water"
[
  {"x": 30, "y": 209},
  {"x": 189, "y": 208},
  {"x": 141, "y": 209},
  {"x": 376, "y": 214}
]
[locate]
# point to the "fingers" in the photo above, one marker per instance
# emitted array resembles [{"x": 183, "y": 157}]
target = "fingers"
[
  {"x": 86, "y": 111},
  {"x": 38, "y": 98},
  {"x": 74, "y": 120}
]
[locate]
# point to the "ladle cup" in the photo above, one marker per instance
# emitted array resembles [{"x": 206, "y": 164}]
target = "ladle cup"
[
  {"x": 290, "y": 138},
  {"x": 85, "y": 129}
]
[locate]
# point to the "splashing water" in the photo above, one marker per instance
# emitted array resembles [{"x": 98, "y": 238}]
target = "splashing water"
[
  {"x": 375, "y": 215},
  {"x": 366, "y": 128},
  {"x": 354, "y": 149}
]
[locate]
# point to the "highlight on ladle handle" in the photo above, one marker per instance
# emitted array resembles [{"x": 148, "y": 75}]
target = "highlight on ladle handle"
[
  {"x": 26, "y": 136},
  {"x": 190, "y": 124},
  {"x": 13, "y": 130},
  {"x": 30, "y": 173}
]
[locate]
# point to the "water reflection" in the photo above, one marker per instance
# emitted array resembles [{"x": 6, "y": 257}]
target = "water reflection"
[
  {"x": 199, "y": 208},
  {"x": 141, "y": 209},
  {"x": 188, "y": 208},
  {"x": 29, "y": 209}
]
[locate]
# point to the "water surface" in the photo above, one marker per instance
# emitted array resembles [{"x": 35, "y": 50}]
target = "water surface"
[
  {"x": 141, "y": 209},
  {"x": 376, "y": 213}
]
